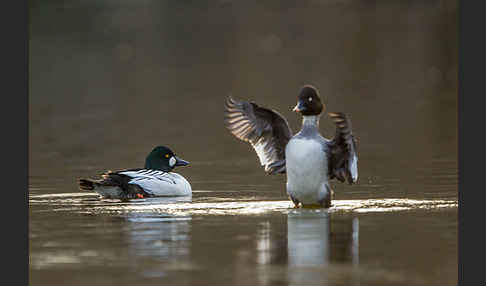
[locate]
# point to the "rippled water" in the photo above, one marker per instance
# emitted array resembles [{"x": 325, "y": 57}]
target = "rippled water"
[
  {"x": 109, "y": 80},
  {"x": 233, "y": 237},
  {"x": 182, "y": 206}
]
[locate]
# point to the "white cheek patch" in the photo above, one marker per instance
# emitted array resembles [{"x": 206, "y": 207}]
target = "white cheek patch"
[
  {"x": 310, "y": 98},
  {"x": 172, "y": 161}
]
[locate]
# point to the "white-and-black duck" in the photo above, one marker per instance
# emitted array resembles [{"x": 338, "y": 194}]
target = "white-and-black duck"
[
  {"x": 309, "y": 160},
  {"x": 154, "y": 180}
]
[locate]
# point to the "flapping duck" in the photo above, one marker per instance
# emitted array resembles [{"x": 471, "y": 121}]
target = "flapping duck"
[{"x": 309, "y": 160}]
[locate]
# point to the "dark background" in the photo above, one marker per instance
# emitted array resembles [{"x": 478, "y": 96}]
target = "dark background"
[{"x": 109, "y": 80}]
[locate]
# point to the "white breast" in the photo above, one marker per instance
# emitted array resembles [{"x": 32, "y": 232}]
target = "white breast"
[
  {"x": 306, "y": 164},
  {"x": 160, "y": 183}
]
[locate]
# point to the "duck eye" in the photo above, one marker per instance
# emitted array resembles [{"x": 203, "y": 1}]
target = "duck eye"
[
  {"x": 166, "y": 155},
  {"x": 310, "y": 98}
]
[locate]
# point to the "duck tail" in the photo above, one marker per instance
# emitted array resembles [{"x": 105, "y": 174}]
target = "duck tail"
[
  {"x": 113, "y": 186},
  {"x": 86, "y": 185}
]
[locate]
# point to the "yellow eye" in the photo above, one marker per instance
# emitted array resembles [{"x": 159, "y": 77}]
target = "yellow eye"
[{"x": 166, "y": 155}]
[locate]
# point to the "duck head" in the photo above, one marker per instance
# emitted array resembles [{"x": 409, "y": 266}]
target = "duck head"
[
  {"x": 162, "y": 158},
  {"x": 308, "y": 101}
]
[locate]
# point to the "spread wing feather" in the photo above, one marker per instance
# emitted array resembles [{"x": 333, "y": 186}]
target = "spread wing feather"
[
  {"x": 266, "y": 130},
  {"x": 343, "y": 163}
]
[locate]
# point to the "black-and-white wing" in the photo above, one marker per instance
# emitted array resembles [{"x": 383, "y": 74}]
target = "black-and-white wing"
[
  {"x": 267, "y": 131},
  {"x": 343, "y": 163},
  {"x": 149, "y": 180},
  {"x": 141, "y": 174}
]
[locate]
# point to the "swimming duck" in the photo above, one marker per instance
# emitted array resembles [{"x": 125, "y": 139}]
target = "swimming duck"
[
  {"x": 156, "y": 179},
  {"x": 309, "y": 160}
]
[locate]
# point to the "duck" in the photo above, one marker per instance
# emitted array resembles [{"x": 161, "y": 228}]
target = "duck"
[
  {"x": 309, "y": 160},
  {"x": 156, "y": 179}
]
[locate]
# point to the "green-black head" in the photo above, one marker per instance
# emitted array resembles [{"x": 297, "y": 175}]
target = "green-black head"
[{"x": 162, "y": 158}]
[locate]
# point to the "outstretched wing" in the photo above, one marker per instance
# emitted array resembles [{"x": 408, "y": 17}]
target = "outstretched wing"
[
  {"x": 343, "y": 163},
  {"x": 266, "y": 130}
]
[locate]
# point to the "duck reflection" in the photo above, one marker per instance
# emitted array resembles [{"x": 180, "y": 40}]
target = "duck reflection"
[
  {"x": 263, "y": 244},
  {"x": 308, "y": 238},
  {"x": 313, "y": 244},
  {"x": 317, "y": 238},
  {"x": 320, "y": 246},
  {"x": 271, "y": 239},
  {"x": 159, "y": 241},
  {"x": 160, "y": 237}
]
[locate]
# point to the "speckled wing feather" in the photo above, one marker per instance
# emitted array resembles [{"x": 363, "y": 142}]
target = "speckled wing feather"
[
  {"x": 343, "y": 163},
  {"x": 266, "y": 130}
]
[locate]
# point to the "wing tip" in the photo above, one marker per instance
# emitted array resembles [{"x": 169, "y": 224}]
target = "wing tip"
[
  {"x": 342, "y": 121},
  {"x": 230, "y": 101}
]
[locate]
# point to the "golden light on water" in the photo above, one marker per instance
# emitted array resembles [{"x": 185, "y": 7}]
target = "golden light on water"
[{"x": 182, "y": 206}]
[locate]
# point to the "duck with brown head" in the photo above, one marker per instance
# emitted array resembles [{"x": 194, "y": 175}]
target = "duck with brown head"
[{"x": 308, "y": 159}]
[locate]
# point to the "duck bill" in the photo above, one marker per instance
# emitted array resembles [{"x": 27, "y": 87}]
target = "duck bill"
[
  {"x": 299, "y": 107},
  {"x": 180, "y": 162}
]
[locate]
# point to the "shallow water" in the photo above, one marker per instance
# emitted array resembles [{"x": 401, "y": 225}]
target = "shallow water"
[
  {"x": 211, "y": 239},
  {"x": 109, "y": 80}
]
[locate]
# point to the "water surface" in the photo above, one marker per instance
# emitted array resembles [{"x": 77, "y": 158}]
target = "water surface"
[{"x": 109, "y": 80}]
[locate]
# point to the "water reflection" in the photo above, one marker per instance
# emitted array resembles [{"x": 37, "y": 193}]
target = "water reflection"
[
  {"x": 291, "y": 247},
  {"x": 163, "y": 240},
  {"x": 355, "y": 241},
  {"x": 316, "y": 241},
  {"x": 308, "y": 238},
  {"x": 184, "y": 206},
  {"x": 345, "y": 241},
  {"x": 308, "y": 246},
  {"x": 263, "y": 243}
]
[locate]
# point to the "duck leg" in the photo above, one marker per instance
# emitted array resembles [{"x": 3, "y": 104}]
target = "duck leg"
[
  {"x": 326, "y": 201},
  {"x": 295, "y": 201}
]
